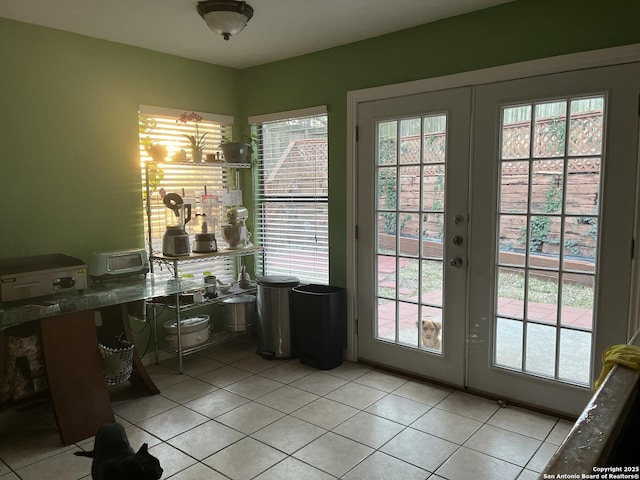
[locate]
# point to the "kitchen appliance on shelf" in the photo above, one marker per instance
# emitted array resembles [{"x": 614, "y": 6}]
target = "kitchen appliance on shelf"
[
  {"x": 244, "y": 279},
  {"x": 205, "y": 241},
  {"x": 118, "y": 264},
  {"x": 175, "y": 241},
  {"x": 235, "y": 231},
  {"x": 193, "y": 331},
  {"x": 39, "y": 275},
  {"x": 241, "y": 310}
]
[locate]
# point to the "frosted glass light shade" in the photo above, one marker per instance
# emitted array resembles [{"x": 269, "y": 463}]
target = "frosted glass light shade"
[{"x": 225, "y": 17}]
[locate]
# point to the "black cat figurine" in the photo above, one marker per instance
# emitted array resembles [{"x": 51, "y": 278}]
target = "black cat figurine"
[{"x": 114, "y": 459}]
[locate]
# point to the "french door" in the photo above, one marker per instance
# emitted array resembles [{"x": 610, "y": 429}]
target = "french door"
[
  {"x": 501, "y": 215},
  {"x": 413, "y": 176}
]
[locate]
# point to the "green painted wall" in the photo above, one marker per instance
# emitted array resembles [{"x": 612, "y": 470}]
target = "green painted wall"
[
  {"x": 69, "y": 163},
  {"x": 513, "y": 32},
  {"x": 68, "y": 108}
]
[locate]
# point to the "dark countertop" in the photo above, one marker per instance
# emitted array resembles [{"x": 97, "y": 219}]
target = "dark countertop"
[{"x": 97, "y": 295}]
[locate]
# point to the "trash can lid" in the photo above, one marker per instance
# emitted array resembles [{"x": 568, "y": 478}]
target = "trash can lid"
[
  {"x": 317, "y": 289},
  {"x": 278, "y": 281}
]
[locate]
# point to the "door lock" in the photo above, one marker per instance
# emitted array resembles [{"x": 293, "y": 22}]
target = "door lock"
[{"x": 456, "y": 262}]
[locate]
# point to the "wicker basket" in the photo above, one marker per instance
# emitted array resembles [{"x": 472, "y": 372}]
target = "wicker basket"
[{"x": 117, "y": 362}]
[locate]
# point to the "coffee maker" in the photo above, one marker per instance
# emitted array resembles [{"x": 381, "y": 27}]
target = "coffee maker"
[
  {"x": 235, "y": 231},
  {"x": 175, "y": 241}
]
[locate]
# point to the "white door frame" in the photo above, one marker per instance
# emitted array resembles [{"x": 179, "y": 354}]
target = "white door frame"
[{"x": 559, "y": 64}]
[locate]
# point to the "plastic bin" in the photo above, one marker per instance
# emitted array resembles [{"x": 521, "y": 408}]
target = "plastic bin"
[
  {"x": 320, "y": 324},
  {"x": 275, "y": 339}
]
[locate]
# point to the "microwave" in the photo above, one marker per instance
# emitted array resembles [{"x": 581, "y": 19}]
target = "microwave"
[{"x": 118, "y": 264}]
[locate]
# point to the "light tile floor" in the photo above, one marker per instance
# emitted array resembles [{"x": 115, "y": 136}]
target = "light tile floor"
[{"x": 234, "y": 415}]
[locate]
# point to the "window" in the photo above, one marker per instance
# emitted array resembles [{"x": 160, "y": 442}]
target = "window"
[
  {"x": 166, "y": 164},
  {"x": 292, "y": 194}
]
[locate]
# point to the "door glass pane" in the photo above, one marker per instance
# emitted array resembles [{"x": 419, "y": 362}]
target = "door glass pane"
[
  {"x": 575, "y": 346},
  {"x": 541, "y": 349},
  {"x": 550, "y": 129},
  {"x": 409, "y": 189},
  {"x": 388, "y": 189},
  {"x": 430, "y": 327},
  {"x": 580, "y": 243},
  {"x": 434, "y": 143},
  {"x": 433, "y": 188},
  {"x": 577, "y": 301},
  {"x": 408, "y": 323},
  {"x": 542, "y": 294},
  {"x": 510, "y": 293},
  {"x": 409, "y": 280},
  {"x": 386, "y": 316},
  {"x": 516, "y": 132},
  {"x": 509, "y": 343},
  {"x": 546, "y": 186},
  {"x": 544, "y": 241},
  {"x": 586, "y": 126},
  {"x": 409, "y": 205},
  {"x": 388, "y": 143},
  {"x": 410, "y": 141},
  {"x": 547, "y": 239},
  {"x": 583, "y": 186},
  {"x": 432, "y": 234},
  {"x": 512, "y": 239},
  {"x": 432, "y": 282},
  {"x": 386, "y": 233},
  {"x": 386, "y": 276},
  {"x": 410, "y": 235},
  {"x": 514, "y": 187}
]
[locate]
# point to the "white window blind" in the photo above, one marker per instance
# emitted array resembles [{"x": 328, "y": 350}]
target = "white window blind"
[
  {"x": 199, "y": 184},
  {"x": 292, "y": 218}
]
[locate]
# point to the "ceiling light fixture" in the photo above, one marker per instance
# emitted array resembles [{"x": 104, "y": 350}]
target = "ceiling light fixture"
[{"x": 225, "y": 17}]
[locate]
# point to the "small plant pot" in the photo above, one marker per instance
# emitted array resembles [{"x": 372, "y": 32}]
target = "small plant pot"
[{"x": 235, "y": 152}]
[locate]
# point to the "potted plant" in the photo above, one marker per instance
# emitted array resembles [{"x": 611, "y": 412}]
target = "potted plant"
[
  {"x": 157, "y": 152},
  {"x": 196, "y": 142},
  {"x": 238, "y": 152}
]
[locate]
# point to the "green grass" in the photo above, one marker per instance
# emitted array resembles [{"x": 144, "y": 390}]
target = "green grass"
[{"x": 511, "y": 285}]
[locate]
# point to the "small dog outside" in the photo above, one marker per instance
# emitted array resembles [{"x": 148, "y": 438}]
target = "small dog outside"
[{"x": 430, "y": 334}]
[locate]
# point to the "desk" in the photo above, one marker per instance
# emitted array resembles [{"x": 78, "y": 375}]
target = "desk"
[{"x": 70, "y": 346}]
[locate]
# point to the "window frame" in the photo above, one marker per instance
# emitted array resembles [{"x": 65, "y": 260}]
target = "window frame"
[
  {"x": 196, "y": 182},
  {"x": 315, "y": 268}
]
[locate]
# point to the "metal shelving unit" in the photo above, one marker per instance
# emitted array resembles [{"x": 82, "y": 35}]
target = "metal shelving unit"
[{"x": 178, "y": 308}]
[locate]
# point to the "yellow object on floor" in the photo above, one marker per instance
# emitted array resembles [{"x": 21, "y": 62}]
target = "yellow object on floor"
[{"x": 627, "y": 355}]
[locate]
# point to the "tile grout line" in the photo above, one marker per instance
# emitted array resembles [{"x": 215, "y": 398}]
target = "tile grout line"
[{"x": 352, "y": 380}]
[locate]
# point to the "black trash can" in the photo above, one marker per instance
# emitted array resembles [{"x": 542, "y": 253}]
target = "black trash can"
[{"x": 320, "y": 324}]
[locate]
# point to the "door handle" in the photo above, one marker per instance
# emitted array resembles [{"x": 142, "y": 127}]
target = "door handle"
[{"x": 456, "y": 262}]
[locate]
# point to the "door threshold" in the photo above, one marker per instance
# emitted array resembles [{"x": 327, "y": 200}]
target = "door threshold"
[{"x": 501, "y": 401}]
